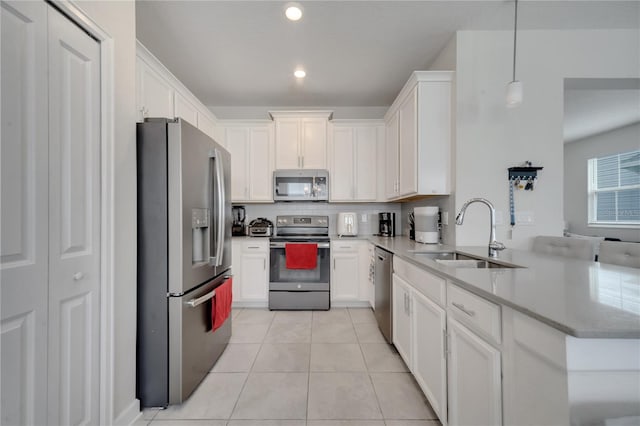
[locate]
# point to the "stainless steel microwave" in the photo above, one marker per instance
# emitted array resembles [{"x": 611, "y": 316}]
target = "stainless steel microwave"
[{"x": 301, "y": 185}]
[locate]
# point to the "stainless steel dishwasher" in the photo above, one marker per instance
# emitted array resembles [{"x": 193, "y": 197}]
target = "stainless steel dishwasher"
[{"x": 383, "y": 294}]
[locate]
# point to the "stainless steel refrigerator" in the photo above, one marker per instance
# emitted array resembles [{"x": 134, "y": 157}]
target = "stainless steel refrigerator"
[{"x": 184, "y": 254}]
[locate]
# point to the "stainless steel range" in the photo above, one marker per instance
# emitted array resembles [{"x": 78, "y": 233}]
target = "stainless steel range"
[{"x": 304, "y": 285}]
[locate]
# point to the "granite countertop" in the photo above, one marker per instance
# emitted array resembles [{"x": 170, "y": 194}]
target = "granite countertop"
[{"x": 580, "y": 298}]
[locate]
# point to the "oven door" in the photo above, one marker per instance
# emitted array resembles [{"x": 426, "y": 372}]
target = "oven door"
[
  {"x": 299, "y": 289},
  {"x": 283, "y": 279}
]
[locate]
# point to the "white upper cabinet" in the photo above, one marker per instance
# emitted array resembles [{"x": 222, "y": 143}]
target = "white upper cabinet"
[
  {"x": 184, "y": 109},
  {"x": 160, "y": 94},
  {"x": 352, "y": 160},
  {"x": 251, "y": 148},
  {"x": 155, "y": 94},
  {"x": 418, "y": 129},
  {"x": 301, "y": 139}
]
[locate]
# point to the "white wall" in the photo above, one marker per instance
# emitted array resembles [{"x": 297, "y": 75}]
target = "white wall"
[
  {"x": 118, "y": 19},
  {"x": 576, "y": 156},
  {"x": 490, "y": 138}
]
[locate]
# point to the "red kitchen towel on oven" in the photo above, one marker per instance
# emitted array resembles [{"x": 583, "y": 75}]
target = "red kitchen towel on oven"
[
  {"x": 301, "y": 256},
  {"x": 221, "y": 304}
]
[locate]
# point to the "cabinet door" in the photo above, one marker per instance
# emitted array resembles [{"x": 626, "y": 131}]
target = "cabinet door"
[
  {"x": 344, "y": 276},
  {"x": 364, "y": 264},
  {"x": 255, "y": 275},
  {"x": 429, "y": 359},
  {"x": 236, "y": 262},
  {"x": 342, "y": 164},
  {"x": 236, "y": 140},
  {"x": 185, "y": 110},
  {"x": 287, "y": 136},
  {"x": 408, "y": 143},
  {"x": 365, "y": 184},
  {"x": 402, "y": 318},
  {"x": 155, "y": 94},
  {"x": 391, "y": 144},
  {"x": 260, "y": 170},
  {"x": 475, "y": 391},
  {"x": 313, "y": 145}
]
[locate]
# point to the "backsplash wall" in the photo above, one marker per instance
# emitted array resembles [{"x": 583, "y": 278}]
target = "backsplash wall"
[{"x": 368, "y": 226}]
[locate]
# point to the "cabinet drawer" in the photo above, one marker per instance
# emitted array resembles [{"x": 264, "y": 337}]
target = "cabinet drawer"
[
  {"x": 344, "y": 246},
  {"x": 256, "y": 245},
  {"x": 477, "y": 313},
  {"x": 432, "y": 286}
]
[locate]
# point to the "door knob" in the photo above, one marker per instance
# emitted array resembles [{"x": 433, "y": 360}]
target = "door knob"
[{"x": 78, "y": 276}]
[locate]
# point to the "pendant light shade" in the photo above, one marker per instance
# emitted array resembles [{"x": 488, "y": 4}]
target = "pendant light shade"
[
  {"x": 514, "y": 94},
  {"x": 514, "y": 88}
]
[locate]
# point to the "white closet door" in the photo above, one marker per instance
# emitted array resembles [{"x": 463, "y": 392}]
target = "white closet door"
[
  {"x": 23, "y": 261},
  {"x": 74, "y": 223}
]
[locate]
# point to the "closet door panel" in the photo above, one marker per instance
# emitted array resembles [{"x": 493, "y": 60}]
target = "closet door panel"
[
  {"x": 24, "y": 203},
  {"x": 74, "y": 238}
]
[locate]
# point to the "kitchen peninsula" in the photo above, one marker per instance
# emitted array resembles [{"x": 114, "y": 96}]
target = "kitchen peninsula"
[{"x": 546, "y": 340}]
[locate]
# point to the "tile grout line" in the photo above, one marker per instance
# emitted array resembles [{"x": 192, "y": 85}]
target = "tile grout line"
[{"x": 246, "y": 380}]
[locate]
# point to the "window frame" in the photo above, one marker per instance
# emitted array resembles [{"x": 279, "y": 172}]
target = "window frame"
[{"x": 592, "y": 191}]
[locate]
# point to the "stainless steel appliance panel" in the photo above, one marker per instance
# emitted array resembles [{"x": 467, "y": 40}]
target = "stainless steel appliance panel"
[
  {"x": 193, "y": 347},
  {"x": 278, "y": 271},
  {"x": 198, "y": 182},
  {"x": 294, "y": 301},
  {"x": 383, "y": 293},
  {"x": 300, "y": 185}
]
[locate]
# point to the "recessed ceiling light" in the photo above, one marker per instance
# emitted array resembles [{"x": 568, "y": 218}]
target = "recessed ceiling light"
[
  {"x": 293, "y": 12},
  {"x": 300, "y": 73}
]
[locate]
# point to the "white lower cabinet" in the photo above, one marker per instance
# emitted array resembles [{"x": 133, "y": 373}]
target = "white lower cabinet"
[
  {"x": 349, "y": 281},
  {"x": 402, "y": 318},
  {"x": 429, "y": 356},
  {"x": 419, "y": 326},
  {"x": 474, "y": 379},
  {"x": 250, "y": 272}
]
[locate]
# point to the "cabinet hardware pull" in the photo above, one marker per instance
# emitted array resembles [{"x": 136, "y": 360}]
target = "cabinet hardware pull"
[
  {"x": 78, "y": 276},
  {"x": 253, "y": 247},
  {"x": 334, "y": 263},
  {"x": 264, "y": 264},
  {"x": 445, "y": 348},
  {"x": 463, "y": 309}
]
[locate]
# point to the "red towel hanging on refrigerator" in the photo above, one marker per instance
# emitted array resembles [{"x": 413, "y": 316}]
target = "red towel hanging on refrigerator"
[{"x": 221, "y": 304}]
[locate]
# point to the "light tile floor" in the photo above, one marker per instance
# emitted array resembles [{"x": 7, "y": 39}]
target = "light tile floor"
[{"x": 303, "y": 368}]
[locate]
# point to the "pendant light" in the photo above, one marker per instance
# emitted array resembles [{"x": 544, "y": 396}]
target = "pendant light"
[{"x": 514, "y": 88}]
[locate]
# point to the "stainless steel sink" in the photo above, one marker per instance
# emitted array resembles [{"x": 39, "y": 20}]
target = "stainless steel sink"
[{"x": 459, "y": 260}]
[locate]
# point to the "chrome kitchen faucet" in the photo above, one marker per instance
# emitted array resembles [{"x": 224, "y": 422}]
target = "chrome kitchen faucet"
[{"x": 494, "y": 246}]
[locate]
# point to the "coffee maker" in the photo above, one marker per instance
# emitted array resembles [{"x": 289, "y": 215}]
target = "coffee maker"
[
  {"x": 387, "y": 224},
  {"x": 237, "y": 228}
]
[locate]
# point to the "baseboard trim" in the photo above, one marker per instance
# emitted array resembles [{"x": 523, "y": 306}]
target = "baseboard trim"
[{"x": 130, "y": 414}]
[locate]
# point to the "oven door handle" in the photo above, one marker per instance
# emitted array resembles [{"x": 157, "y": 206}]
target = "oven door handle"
[{"x": 282, "y": 245}]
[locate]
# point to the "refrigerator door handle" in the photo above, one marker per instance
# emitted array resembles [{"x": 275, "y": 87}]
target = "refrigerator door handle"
[
  {"x": 219, "y": 196},
  {"x": 200, "y": 300}
]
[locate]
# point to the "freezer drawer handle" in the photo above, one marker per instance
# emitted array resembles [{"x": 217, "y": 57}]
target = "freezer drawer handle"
[{"x": 200, "y": 300}]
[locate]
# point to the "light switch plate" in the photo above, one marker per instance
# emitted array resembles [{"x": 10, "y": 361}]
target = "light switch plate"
[
  {"x": 445, "y": 218},
  {"x": 525, "y": 218}
]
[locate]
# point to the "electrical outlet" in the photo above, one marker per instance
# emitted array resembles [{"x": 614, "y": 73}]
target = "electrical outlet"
[
  {"x": 525, "y": 218},
  {"x": 364, "y": 218},
  {"x": 499, "y": 217},
  {"x": 445, "y": 218}
]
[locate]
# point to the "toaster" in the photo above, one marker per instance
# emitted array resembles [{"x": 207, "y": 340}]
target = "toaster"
[{"x": 260, "y": 227}]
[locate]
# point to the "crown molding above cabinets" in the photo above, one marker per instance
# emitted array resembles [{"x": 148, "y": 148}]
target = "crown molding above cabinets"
[{"x": 418, "y": 137}]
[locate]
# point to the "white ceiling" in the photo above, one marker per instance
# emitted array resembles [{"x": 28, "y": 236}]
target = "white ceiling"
[{"x": 356, "y": 53}]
